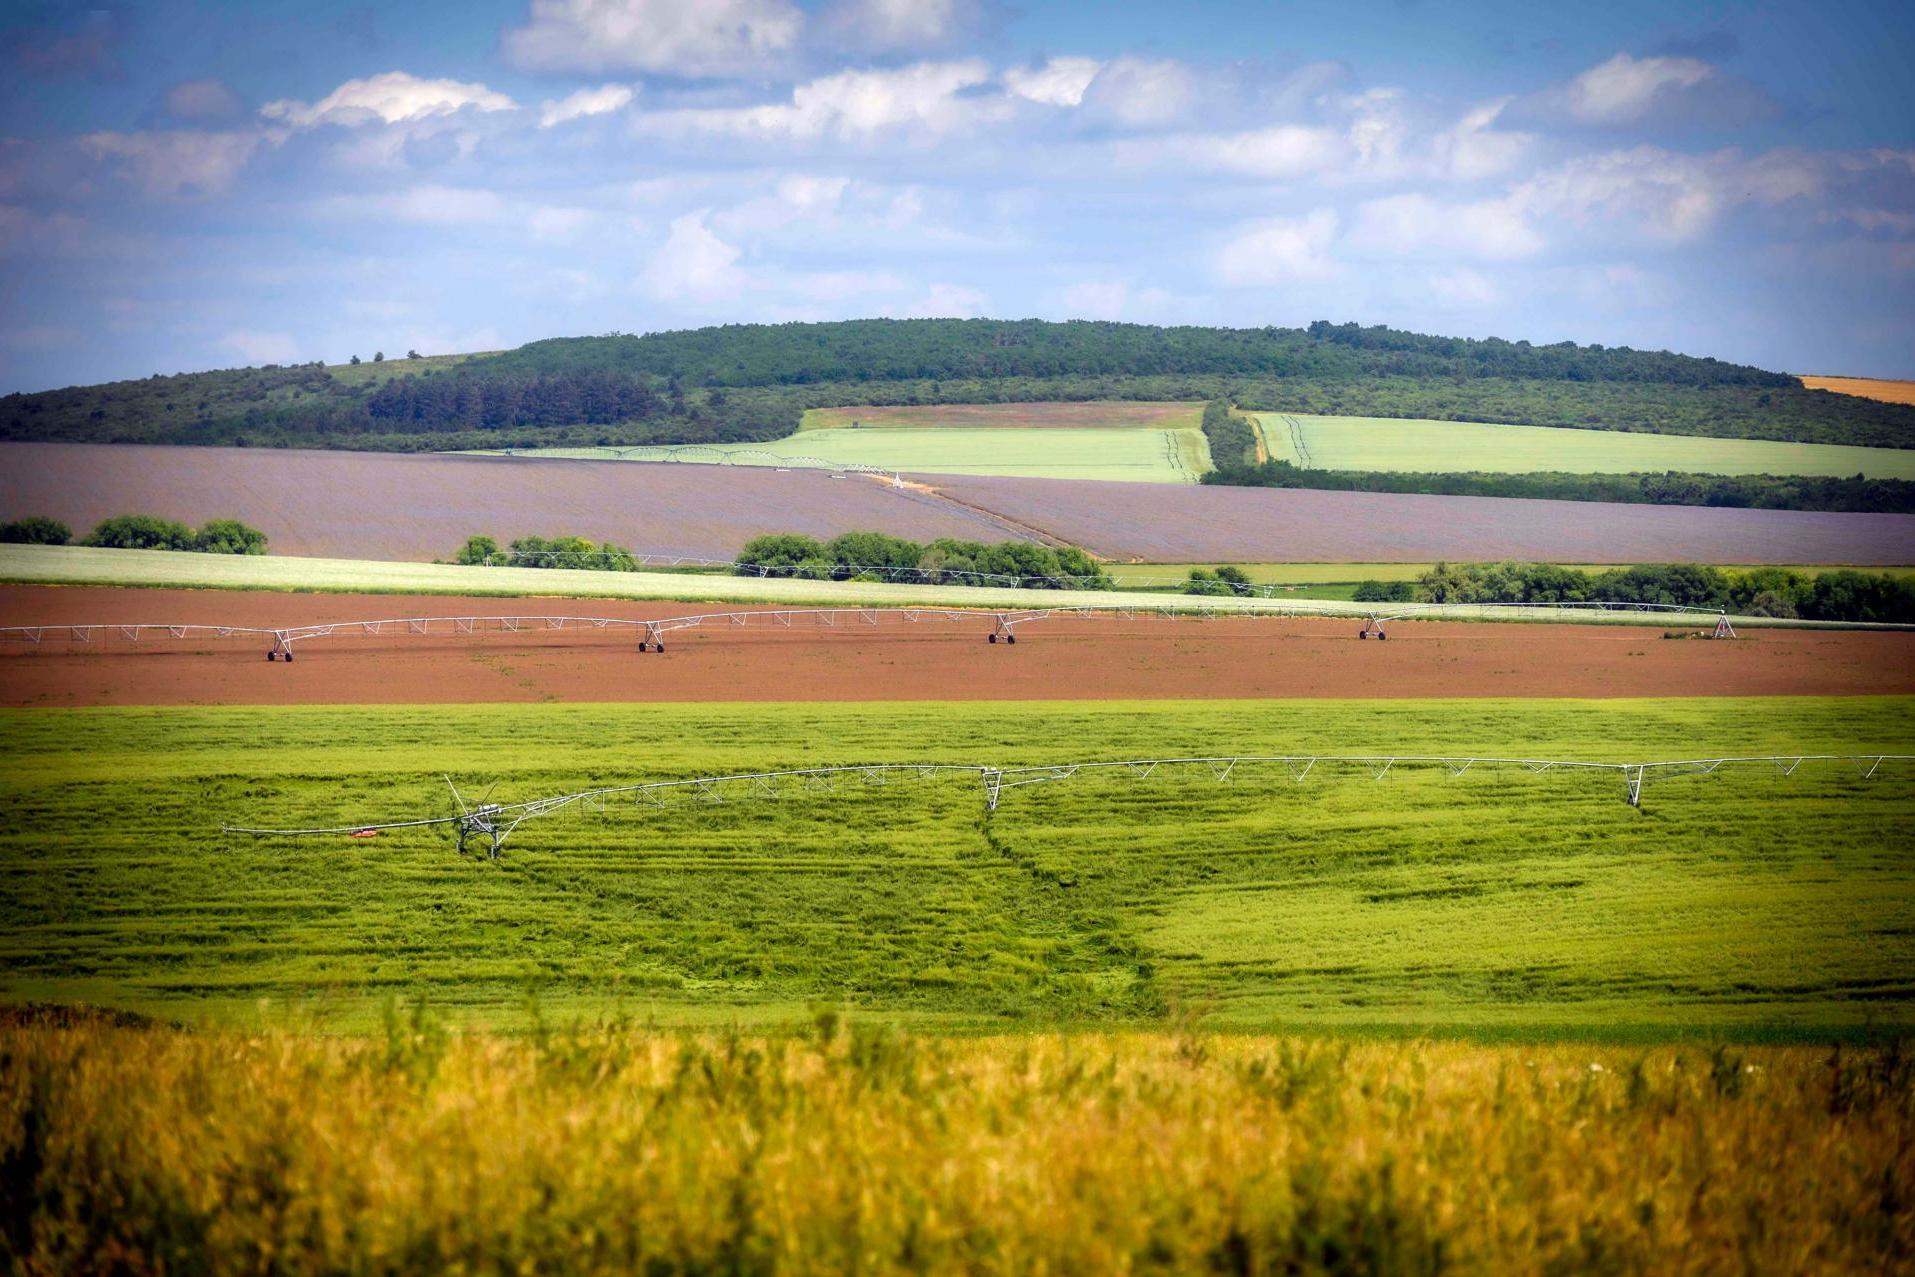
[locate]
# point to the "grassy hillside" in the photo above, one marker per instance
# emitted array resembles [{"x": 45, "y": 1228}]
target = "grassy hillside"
[
  {"x": 753, "y": 382},
  {"x": 1419, "y": 900}
]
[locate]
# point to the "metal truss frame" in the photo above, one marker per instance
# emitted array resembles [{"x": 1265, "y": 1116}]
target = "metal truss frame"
[
  {"x": 496, "y": 822},
  {"x": 1003, "y": 623}
]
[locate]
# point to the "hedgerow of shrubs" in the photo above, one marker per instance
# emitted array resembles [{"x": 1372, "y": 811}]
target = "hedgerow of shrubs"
[
  {"x": 876, "y": 556},
  {"x": 35, "y": 529},
  {"x": 1777, "y": 592},
  {"x": 548, "y": 552},
  {"x": 148, "y": 532}
]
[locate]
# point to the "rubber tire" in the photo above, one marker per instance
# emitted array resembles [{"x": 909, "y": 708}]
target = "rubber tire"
[
  {"x": 991, "y": 637},
  {"x": 658, "y": 647},
  {"x": 1010, "y": 638},
  {"x": 1363, "y": 634},
  {"x": 1380, "y": 636},
  {"x": 272, "y": 656},
  {"x": 289, "y": 658}
]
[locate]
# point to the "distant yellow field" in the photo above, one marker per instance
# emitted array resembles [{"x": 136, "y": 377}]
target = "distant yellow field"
[{"x": 1865, "y": 388}]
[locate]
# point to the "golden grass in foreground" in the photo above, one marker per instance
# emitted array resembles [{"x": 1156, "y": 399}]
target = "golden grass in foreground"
[
  {"x": 1866, "y": 388},
  {"x": 624, "y": 1151}
]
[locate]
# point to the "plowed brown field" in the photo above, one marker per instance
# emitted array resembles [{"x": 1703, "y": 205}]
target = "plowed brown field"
[{"x": 1063, "y": 660}]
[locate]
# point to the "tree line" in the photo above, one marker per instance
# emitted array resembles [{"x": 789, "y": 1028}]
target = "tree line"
[
  {"x": 877, "y": 556},
  {"x": 1844, "y": 595},
  {"x": 1852, "y": 495},
  {"x": 141, "y": 532}
]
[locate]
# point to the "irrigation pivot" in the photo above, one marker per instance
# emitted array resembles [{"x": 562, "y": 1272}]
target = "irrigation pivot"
[
  {"x": 1002, "y": 623},
  {"x": 496, "y": 822}
]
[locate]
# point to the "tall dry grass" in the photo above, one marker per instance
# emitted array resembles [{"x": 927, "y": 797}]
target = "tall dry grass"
[{"x": 143, "y": 1150}]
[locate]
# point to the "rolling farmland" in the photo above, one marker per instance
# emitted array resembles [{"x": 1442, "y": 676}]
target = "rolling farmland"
[
  {"x": 1370, "y": 443},
  {"x": 1160, "y": 523},
  {"x": 1084, "y": 452},
  {"x": 1096, "y": 900},
  {"x": 1139, "y": 442},
  {"x": 384, "y": 506},
  {"x": 421, "y": 507}
]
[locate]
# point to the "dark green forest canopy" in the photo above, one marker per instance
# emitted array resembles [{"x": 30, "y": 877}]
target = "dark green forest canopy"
[{"x": 754, "y": 381}]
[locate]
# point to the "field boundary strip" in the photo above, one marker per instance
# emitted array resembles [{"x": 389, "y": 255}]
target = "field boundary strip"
[{"x": 496, "y": 822}]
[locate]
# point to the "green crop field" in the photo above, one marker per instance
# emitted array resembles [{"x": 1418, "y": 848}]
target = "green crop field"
[
  {"x": 1135, "y": 454},
  {"x": 1496, "y": 903},
  {"x": 1378, "y": 443}
]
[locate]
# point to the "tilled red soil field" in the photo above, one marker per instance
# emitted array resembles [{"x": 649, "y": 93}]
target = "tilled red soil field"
[
  {"x": 1065, "y": 660},
  {"x": 1173, "y": 523},
  {"x": 376, "y": 505}
]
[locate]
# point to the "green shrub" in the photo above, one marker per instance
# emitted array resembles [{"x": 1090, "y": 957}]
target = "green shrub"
[
  {"x": 142, "y": 532},
  {"x": 35, "y": 529},
  {"x": 229, "y": 536}
]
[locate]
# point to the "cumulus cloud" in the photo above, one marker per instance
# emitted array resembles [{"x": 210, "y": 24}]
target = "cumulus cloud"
[
  {"x": 1627, "y": 91},
  {"x": 925, "y": 97},
  {"x": 201, "y": 100},
  {"x": 394, "y": 97},
  {"x": 1667, "y": 195},
  {"x": 664, "y": 37},
  {"x": 1059, "y": 82},
  {"x": 1282, "y": 151},
  {"x": 183, "y": 162},
  {"x": 600, "y": 101},
  {"x": 693, "y": 265},
  {"x": 1278, "y": 251},
  {"x": 885, "y": 26},
  {"x": 1141, "y": 92},
  {"x": 1415, "y": 224}
]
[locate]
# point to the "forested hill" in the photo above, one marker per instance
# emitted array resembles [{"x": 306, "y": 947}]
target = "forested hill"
[{"x": 753, "y": 381}]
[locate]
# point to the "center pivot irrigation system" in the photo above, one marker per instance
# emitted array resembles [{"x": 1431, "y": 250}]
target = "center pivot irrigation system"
[
  {"x": 492, "y": 823},
  {"x": 1003, "y": 624}
]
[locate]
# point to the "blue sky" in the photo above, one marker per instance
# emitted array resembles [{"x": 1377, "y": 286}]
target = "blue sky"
[{"x": 195, "y": 185}]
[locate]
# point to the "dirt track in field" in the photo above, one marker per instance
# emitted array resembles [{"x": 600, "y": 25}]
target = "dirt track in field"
[{"x": 930, "y": 660}]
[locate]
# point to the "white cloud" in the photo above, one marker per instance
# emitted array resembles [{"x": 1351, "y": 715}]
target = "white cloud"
[
  {"x": 431, "y": 205},
  {"x": 1668, "y": 195},
  {"x": 393, "y": 97},
  {"x": 1625, "y": 89},
  {"x": 664, "y": 37},
  {"x": 890, "y": 25},
  {"x": 262, "y": 347},
  {"x": 1462, "y": 287},
  {"x": 693, "y": 265},
  {"x": 177, "y": 163},
  {"x": 600, "y": 101},
  {"x": 201, "y": 100},
  {"x": 1414, "y": 224},
  {"x": 853, "y": 104},
  {"x": 1141, "y": 92},
  {"x": 1059, "y": 82},
  {"x": 1278, "y": 251},
  {"x": 1286, "y": 150},
  {"x": 559, "y": 222},
  {"x": 1472, "y": 149}
]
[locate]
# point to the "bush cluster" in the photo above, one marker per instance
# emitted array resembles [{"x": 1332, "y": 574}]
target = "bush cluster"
[
  {"x": 547, "y": 552},
  {"x": 146, "y": 532},
  {"x": 1779, "y": 592},
  {"x": 35, "y": 529},
  {"x": 1232, "y": 439},
  {"x": 875, "y": 556},
  {"x": 1223, "y": 580}
]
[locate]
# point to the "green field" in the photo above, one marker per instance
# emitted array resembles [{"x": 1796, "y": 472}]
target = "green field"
[
  {"x": 1331, "y": 574},
  {"x": 1494, "y": 903},
  {"x": 1377, "y": 443},
  {"x": 84, "y": 565},
  {"x": 1133, "y": 454}
]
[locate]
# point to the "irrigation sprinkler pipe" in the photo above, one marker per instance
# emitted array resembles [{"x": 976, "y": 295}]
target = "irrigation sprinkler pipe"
[
  {"x": 498, "y": 821},
  {"x": 1002, "y": 621}
]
